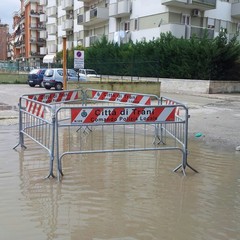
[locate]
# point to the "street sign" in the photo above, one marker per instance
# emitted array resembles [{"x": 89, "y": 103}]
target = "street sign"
[{"x": 78, "y": 59}]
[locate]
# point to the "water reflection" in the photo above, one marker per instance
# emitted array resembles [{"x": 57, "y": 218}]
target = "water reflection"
[{"x": 119, "y": 196}]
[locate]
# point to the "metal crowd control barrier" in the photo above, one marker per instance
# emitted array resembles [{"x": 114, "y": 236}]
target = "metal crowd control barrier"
[
  {"x": 37, "y": 119},
  {"x": 129, "y": 122},
  {"x": 105, "y": 96}
]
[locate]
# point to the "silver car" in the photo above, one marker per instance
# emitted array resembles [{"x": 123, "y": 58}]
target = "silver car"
[{"x": 53, "y": 77}]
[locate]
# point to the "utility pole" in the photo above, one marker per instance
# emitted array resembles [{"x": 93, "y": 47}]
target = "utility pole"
[{"x": 64, "y": 64}]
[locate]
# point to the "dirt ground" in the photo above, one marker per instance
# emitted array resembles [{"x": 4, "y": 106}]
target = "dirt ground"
[{"x": 214, "y": 118}]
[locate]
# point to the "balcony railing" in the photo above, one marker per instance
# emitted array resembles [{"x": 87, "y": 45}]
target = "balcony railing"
[
  {"x": 52, "y": 29},
  {"x": 52, "y": 48},
  {"x": 120, "y": 9},
  {"x": 43, "y": 34},
  {"x": 96, "y": 15},
  {"x": 43, "y": 17},
  {"x": 236, "y": 9},
  {"x": 36, "y": 54},
  {"x": 52, "y": 11},
  {"x": 34, "y": 13},
  {"x": 67, "y": 25},
  {"x": 35, "y": 26},
  {"x": 200, "y": 32},
  {"x": 43, "y": 50},
  {"x": 67, "y": 4},
  {"x": 43, "y": 2},
  {"x": 193, "y": 4},
  {"x": 39, "y": 41}
]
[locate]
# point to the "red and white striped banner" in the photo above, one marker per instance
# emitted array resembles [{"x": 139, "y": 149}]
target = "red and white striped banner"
[
  {"x": 38, "y": 109},
  {"x": 121, "y": 97},
  {"x": 121, "y": 115},
  {"x": 171, "y": 102}
]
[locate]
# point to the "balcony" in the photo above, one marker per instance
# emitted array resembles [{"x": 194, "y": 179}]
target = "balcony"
[
  {"x": 43, "y": 51},
  {"x": 52, "y": 11},
  {"x": 18, "y": 44},
  {"x": 22, "y": 20},
  {"x": 52, "y": 48},
  {"x": 52, "y": 29},
  {"x": 192, "y": 4},
  {"x": 43, "y": 2},
  {"x": 43, "y": 34},
  {"x": 95, "y": 16},
  {"x": 120, "y": 9},
  {"x": 38, "y": 41},
  {"x": 236, "y": 9},
  {"x": 200, "y": 32},
  {"x": 35, "y": 26},
  {"x": 43, "y": 17},
  {"x": 89, "y": 41},
  {"x": 23, "y": 31},
  {"x": 67, "y": 25},
  {"x": 67, "y": 4},
  {"x": 119, "y": 37},
  {"x": 36, "y": 54},
  {"x": 34, "y": 13}
]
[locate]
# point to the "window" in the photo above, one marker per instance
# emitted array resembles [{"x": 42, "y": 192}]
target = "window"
[
  {"x": 126, "y": 26},
  {"x": 211, "y": 23},
  {"x": 186, "y": 19},
  {"x": 136, "y": 24}
]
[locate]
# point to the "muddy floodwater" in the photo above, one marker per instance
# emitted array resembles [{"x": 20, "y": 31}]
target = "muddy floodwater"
[{"x": 119, "y": 196}]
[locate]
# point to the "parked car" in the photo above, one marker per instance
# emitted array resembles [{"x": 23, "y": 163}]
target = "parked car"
[
  {"x": 35, "y": 77},
  {"x": 53, "y": 77},
  {"x": 87, "y": 73}
]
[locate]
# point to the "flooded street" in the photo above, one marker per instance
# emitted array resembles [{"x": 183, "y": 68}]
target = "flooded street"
[{"x": 125, "y": 196}]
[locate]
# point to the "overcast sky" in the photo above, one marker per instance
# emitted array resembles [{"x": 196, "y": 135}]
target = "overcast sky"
[{"x": 7, "y": 8}]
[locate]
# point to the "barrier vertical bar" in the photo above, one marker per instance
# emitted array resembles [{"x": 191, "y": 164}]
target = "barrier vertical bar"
[
  {"x": 53, "y": 143},
  {"x": 20, "y": 127}
]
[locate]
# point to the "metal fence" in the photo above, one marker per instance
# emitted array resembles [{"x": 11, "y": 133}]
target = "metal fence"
[{"x": 95, "y": 121}]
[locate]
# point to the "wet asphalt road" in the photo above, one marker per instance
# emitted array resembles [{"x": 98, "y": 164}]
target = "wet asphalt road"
[{"x": 215, "y": 116}]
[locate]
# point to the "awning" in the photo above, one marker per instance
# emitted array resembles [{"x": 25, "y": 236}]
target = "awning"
[{"x": 50, "y": 58}]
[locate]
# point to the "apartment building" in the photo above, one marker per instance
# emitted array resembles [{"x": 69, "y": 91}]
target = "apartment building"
[
  {"x": 84, "y": 22},
  {"x": 4, "y": 32},
  {"x": 27, "y": 27}
]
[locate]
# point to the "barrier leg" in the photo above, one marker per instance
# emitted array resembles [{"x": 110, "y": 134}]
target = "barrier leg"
[
  {"x": 51, "y": 168},
  {"x": 184, "y": 164}
]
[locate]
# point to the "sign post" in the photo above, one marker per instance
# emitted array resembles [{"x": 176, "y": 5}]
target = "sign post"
[{"x": 78, "y": 59}]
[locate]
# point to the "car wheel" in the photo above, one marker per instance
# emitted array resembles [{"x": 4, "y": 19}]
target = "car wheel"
[
  {"x": 41, "y": 84},
  {"x": 31, "y": 85},
  {"x": 58, "y": 86},
  {"x": 47, "y": 87}
]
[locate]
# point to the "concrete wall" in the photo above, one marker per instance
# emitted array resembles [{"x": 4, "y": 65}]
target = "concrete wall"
[
  {"x": 156, "y": 85},
  {"x": 199, "y": 86},
  {"x": 224, "y": 87},
  {"x": 146, "y": 87}
]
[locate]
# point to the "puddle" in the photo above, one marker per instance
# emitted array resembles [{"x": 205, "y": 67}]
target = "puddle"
[{"x": 125, "y": 196}]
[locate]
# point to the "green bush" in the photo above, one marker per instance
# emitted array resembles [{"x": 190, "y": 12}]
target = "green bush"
[{"x": 165, "y": 57}]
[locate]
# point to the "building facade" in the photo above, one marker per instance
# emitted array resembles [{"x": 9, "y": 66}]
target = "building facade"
[
  {"x": 40, "y": 25},
  {"x": 27, "y": 27},
  {"x": 4, "y": 33}
]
